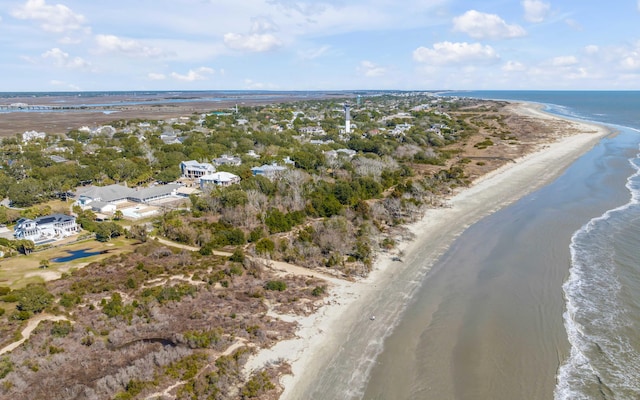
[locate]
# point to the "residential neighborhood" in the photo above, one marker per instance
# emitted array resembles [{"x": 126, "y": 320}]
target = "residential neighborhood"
[{"x": 116, "y": 163}]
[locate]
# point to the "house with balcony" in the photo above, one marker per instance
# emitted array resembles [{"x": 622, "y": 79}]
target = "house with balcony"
[
  {"x": 46, "y": 229},
  {"x": 194, "y": 169}
]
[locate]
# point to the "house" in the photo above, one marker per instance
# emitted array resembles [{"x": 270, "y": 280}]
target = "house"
[
  {"x": 105, "y": 198},
  {"x": 46, "y": 229},
  {"x": 32, "y": 135},
  {"x": 194, "y": 169},
  {"x": 312, "y": 130},
  {"x": 57, "y": 159},
  {"x": 219, "y": 179},
  {"x": 268, "y": 170},
  {"x": 252, "y": 153},
  {"x": 226, "y": 159},
  {"x": 170, "y": 139},
  {"x": 400, "y": 129},
  {"x": 344, "y": 152}
]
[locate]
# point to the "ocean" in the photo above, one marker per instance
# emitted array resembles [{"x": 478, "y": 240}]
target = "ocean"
[{"x": 541, "y": 299}]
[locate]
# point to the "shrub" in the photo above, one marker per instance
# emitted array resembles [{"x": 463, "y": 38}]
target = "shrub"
[
  {"x": 33, "y": 299},
  {"x": 319, "y": 290},
  {"x": 6, "y": 366},
  {"x": 258, "y": 384},
  {"x": 264, "y": 246},
  {"x": 237, "y": 256},
  {"x": 276, "y": 285},
  {"x": 61, "y": 328}
]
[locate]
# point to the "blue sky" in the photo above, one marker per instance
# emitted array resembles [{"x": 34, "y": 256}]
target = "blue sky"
[{"x": 59, "y": 45}]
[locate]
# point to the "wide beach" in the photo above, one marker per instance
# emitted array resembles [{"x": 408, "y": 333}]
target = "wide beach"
[{"x": 337, "y": 348}]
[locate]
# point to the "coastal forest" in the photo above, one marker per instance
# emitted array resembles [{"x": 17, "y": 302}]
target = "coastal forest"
[{"x": 198, "y": 289}]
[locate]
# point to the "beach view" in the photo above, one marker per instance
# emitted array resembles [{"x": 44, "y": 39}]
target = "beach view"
[{"x": 319, "y": 200}]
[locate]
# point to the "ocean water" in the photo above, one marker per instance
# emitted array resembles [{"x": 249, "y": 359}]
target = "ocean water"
[
  {"x": 602, "y": 292},
  {"x": 540, "y": 300}
]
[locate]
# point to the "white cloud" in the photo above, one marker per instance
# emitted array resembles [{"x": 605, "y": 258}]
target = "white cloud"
[
  {"x": 480, "y": 25},
  {"x": 371, "y": 70},
  {"x": 564, "y": 61},
  {"x": 115, "y": 44},
  {"x": 253, "y": 42},
  {"x": 455, "y": 53},
  {"x": 631, "y": 61},
  {"x": 69, "y": 86},
  {"x": 513, "y": 66},
  {"x": 591, "y": 49},
  {"x": 312, "y": 54},
  {"x": 252, "y": 85},
  {"x": 53, "y": 18},
  {"x": 154, "y": 76},
  {"x": 573, "y": 24},
  {"x": 199, "y": 74},
  {"x": 64, "y": 60},
  {"x": 259, "y": 39},
  {"x": 535, "y": 10}
]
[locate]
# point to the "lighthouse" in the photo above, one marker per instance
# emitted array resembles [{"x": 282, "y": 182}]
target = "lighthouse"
[{"x": 347, "y": 118}]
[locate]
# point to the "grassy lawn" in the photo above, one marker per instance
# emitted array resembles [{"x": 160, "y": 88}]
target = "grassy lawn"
[{"x": 17, "y": 272}]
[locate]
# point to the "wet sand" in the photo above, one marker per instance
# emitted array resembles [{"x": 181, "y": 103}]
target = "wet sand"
[{"x": 487, "y": 321}]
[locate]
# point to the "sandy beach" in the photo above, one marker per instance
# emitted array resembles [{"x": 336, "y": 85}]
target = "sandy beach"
[{"x": 336, "y": 347}]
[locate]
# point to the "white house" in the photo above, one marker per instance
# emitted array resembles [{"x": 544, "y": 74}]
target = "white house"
[
  {"x": 32, "y": 135},
  {"x": 194, "y": 169},
  {"x": 219, "y": 179},
  {"x": 45, "y": 229}
]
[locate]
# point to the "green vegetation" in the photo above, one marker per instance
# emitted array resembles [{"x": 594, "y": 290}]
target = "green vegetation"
[
  {"x": 31, "y": 299},
  {"x": 276, "y": 285}
]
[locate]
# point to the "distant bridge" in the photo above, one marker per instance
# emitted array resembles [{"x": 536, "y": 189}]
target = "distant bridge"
[{"x": 34, "y": 107}]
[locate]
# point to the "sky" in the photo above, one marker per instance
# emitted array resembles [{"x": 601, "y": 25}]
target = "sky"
[{"x": 90, "y": 45}]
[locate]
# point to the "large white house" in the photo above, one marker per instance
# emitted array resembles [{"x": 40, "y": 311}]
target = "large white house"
[
  {"x": 194, "y": 169},
  {"x": 218, "y": 179},
  {"x": 46, "y": 229}
]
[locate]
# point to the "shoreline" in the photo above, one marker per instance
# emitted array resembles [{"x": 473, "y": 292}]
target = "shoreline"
[{"x": 325, "y": 338}]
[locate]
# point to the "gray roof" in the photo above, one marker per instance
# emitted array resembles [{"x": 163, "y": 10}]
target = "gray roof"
[
  {"x": 105, "y": 193},
  {"x": 48, "y": 219},
  {"x": 154, "y": 191},
  {"x": 113, "y": 193}
]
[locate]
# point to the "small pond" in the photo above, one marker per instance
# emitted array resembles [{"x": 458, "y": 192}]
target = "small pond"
[{"x": 76, "y": 254}]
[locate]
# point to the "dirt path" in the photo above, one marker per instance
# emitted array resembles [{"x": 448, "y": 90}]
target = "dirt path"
[
  {"x": 31, "y": 325},
  {"x": 166, "y": 393},
  {"x": 278, "y": 266}
]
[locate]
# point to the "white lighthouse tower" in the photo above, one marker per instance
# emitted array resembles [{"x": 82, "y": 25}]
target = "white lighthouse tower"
[{"x": 347, "y": 118}]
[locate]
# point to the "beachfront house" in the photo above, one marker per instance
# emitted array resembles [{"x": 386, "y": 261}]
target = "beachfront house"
[
  {"x": 194, "y": 169},
  {"x": 46, "y": 229}
]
